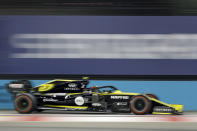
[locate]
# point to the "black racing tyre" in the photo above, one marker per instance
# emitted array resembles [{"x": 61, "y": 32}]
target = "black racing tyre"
[
  {"x": 140, "y": 105},
  {"x": 152, "y": 96},
  {"x": 25, "y": 103}
]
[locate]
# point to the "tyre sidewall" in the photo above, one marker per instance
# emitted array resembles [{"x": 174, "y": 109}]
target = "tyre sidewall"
[
  {"x": 31, "y": 103},
  {"x": 147, "y": 108}
]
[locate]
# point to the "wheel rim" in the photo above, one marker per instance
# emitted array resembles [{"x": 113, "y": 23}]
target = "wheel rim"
[
  {"x": 140, "y": 105},
  {"x": 23, "y": 103}
]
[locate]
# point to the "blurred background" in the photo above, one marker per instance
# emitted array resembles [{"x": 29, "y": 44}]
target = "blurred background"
[
  {"x": 111, "y": 37},
  {"x": 145, "y": 46},
  {"x": 99, "y": 45}
]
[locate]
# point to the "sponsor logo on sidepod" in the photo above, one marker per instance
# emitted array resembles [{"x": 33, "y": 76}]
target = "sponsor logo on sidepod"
[{"x": 119, "y": 97}]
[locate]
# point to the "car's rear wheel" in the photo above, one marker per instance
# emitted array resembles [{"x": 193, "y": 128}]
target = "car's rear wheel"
[
  {"x": 152, "y": 96},
  {"x": 25, "y": 103},
  {"x": 140, "y": 105}
]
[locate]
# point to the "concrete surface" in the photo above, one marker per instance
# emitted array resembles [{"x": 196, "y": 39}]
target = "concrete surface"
[{"x": 93, "y": 126}]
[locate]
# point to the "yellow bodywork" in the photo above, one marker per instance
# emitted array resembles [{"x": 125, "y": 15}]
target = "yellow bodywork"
[
  {"x": 161, "y": 113},
  {"x": 177, "y": 107},
  {"x": 63, "y": 106},
  {"x": 49, "y": 85},
  {"x": 45, "y": 87},
  {"x": 118, "y": 92}
]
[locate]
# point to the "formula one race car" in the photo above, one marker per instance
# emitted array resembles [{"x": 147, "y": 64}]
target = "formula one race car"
[{"x": 74, "y": 95}]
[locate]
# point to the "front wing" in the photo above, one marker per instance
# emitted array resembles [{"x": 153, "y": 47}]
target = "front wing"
[{"x": 165, "y": 108}]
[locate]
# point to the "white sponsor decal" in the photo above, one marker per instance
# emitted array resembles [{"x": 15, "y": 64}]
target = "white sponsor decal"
[
  {"x": 73, "y": 89},
  {"x": 72, "y": 85},
  {"x": 83, "y": 86},
  {"x": 119, "y": 97},
  {"x": 96, "y": 104},
  {"x": 16, "y": 85},
  {"x": 49, "y": 99},
  {"x": 162, "y": 109},
  {"x": 122, "y": 103},
  {"x": 55, "y": 94},
  {"x": 79, "y": 101},
  {"x": 66, "y": 97}
]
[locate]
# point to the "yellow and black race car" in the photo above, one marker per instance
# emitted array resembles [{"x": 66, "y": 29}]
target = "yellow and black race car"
[{"x": 74, "y": 95}]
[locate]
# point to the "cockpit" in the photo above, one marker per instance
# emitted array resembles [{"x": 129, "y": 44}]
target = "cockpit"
[{"x": 107, "y": 89}]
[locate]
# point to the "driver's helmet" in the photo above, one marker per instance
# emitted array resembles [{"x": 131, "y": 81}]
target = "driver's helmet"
[{"x": 93, "y": 87}]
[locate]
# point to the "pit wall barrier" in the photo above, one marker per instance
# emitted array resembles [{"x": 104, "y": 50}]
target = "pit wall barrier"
[{"x": 172, "y": 92}]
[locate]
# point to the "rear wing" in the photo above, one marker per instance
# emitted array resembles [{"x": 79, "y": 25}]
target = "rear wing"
[{"x": 19, "y": 86}]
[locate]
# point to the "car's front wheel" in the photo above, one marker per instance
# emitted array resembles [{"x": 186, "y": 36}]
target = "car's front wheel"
[{"x": 140, "y": 105}]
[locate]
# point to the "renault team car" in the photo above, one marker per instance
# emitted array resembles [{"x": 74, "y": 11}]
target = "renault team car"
[{"x": 74, "y": 95}]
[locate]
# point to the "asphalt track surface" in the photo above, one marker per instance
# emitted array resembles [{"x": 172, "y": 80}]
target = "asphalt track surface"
[{"x": 93, "y": 125}]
